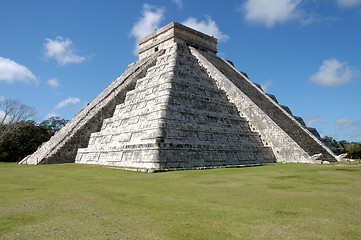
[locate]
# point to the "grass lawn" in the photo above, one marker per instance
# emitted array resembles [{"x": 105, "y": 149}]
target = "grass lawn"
[{"x": 279, "y": 201}]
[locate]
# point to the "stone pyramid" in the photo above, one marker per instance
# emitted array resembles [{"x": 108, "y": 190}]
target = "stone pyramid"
[{"x": 181, "y": 106}]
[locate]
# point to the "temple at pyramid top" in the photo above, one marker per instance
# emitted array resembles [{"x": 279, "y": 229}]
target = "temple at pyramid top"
[{"x": 176, "y": 33}]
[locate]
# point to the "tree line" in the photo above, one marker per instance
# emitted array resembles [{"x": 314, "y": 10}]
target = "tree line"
[
  {"x": 353, "y": 149},
  {"x": 20, "y": 136}
]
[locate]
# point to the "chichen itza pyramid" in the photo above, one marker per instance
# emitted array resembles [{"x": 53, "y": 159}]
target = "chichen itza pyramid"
[{"x": 181, "y": 106}]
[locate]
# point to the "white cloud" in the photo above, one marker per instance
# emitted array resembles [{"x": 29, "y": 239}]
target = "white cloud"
[
  {"x": 53, "y": 82},
  {"x": 150, "y": 20},
  {"x": 179, "y": 3},
  {"x": 66, "y": 102},
  {"x": 62, "y": 50},
  {"x": 270, "y": 12},
  {"x": 332, "y": 73},
  {"x": 11, "y": 71},
  {"x": 51, "y": 114},
  {"x": 312, "y": 121},
  {"x": 2, "y": 98},
  {"x": 347, "y": 122},
  {"x": 208, "y": 27},
  {"x": 266, "y": 85},
  {"x": 348, "y": 3}
]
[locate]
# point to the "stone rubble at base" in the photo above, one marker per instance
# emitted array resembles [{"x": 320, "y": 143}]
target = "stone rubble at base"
[{"x": 181, "y": 106}]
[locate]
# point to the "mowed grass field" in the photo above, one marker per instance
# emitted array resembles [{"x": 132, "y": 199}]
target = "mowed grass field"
[{"x": 278, "y": 201}]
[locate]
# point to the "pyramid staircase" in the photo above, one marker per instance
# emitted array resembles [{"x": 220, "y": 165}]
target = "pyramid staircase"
[{"x": 175, "y": 117}]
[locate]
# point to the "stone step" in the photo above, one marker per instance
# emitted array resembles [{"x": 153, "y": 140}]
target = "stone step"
[
  {"x": 179, "y": 111},
  {"x": 314, "y": 132},
  {"x": 273, "y": 97},
  {"x": 177, "y": 116},
  {"x": 155, "y": 99},
  {"x": 300, "y": 120},
  {"x": 181, "y": 157},
  {"x": 178, "y": 146},
  {"x": 172, "y": 130},
  {"x": 287, "y": 109},
  {"x": 179, "y": 85}
]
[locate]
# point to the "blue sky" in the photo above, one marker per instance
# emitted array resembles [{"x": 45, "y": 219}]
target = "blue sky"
[{"x": 58, "y": 55}]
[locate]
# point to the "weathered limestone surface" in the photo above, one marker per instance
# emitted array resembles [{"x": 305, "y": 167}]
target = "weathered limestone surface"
[
  {"x": 175, "y": 117},
  {"x": 277, "y": 126},
  {"x": 62, "y": 147}
]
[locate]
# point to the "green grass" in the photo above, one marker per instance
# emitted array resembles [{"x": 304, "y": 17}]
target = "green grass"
[{"x": 280, "y": 201}]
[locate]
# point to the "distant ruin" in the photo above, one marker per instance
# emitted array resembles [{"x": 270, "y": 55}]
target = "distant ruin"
[{"x": 181, "y": 106}]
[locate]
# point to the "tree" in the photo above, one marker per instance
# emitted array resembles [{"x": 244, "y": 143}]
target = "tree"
[
  {"x": 54, "y": 124},
  {"x": 24, "y": 140},
  {"x": 13, "y": 115},
  {"x": 343, "y": 144},
  {"x": 28, "y": 137},
  {"x": 354, "y": 149}
]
